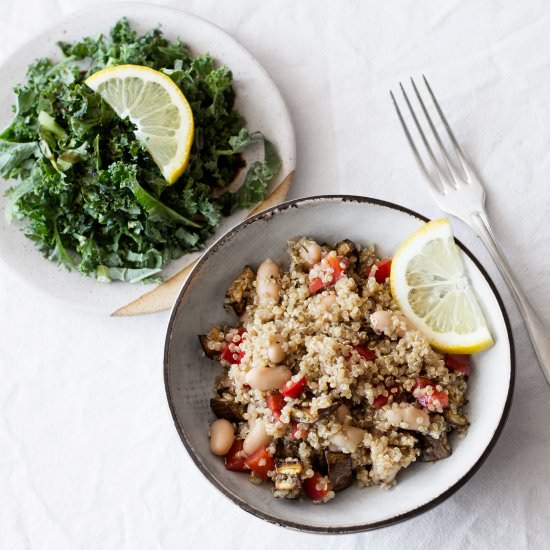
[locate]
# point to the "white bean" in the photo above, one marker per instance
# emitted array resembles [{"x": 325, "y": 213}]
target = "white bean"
[
  {"x": 354, "y": 436},
  {"x": 411, "y": 415},
  {"x": 348, "y": 438},
  {"x": 314, "y": 252},
  {"x": 275, "y": 352},
  {"x": 416, "y": 417},
  {"x": 257, "y": 437},
  {"x": 343, "y": 414},
  {"x": 328, "y": 300},
  {"x": 251, "y": 412},
  {"x": 267, "y": 282},
  {"x": 381, "y": 321},
  {"x": 268, "y": 378},
  {"x": 390, "y": 323},
  {"x": 222, "y": 436},
  {"x": 268, "y": 269},
  {"x": 268, "y": 291},
  {"x": 310, "y": 252}
]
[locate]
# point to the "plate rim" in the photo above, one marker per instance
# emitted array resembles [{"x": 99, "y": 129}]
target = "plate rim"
[
  {"x": 99, "y": 308},
  {"x": 302, "y": 527}
]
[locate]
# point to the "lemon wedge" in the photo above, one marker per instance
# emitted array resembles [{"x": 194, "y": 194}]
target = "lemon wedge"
[
  {"x": 429, "y": 282},
  {"x": 157, "y": 107}
]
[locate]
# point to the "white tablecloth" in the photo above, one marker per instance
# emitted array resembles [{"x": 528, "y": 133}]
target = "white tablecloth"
[{"x": 89, "y": 457}]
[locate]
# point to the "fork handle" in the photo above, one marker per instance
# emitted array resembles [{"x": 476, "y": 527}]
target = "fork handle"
[{"x": 540, "y": 336}]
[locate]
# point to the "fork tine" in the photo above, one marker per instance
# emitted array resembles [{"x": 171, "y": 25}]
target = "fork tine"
[
  {"x": 416, "y": 154},
  {"x": 458, "y": 149},
  {"x": 448, "y": 162},
  {"x": 424, "y": 139}
]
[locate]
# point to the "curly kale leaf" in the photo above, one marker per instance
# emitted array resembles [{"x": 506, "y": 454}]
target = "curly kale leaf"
[
  {"x": 14, "y": 157},
  {"x": 256, "y": 181}
]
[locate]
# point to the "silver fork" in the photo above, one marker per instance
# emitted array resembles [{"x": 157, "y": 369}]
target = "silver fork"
[{"x": 458, "y": 190}]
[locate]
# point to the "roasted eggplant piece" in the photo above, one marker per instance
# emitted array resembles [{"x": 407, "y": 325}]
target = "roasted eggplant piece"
[
  {"x": 328, "y": 410},
  {"x": 306, "y": 416},
  {"x": 349, "y": 250},
  {"x": 346, "y": 248},
  {"x": 210, "y": 353},
  {"x": 287, "y": 481},
  {"x": 455, "y": 419},
  {"x": 239, "y": 294},
  {"x": 340, "y": 469},
  {"x": 290, "y": 467},
  {"x": 318, "y": 461},
  {"x": 432, "y": 449},
  {"x": 229, "y": 410},
  {"x": 287, "y": 449}
]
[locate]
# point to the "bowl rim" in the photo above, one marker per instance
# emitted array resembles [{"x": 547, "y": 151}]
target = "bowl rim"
[{"x": 246, "y": 506}]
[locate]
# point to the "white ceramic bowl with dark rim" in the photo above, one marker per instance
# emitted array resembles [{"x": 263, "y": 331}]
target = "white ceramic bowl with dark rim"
[{"x": 189, "y": 376}]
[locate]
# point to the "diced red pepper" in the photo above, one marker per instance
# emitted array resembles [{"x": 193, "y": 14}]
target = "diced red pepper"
[
  {"x": 383, "y": 270},
  {"x": 365, "y": 353},
  {"x": 316, "y": 284},
  {"x": 297, "y": 431},
  {"x": 235, "y": 458},
  {"x": 458, "y": 363},
  {"x": 335, "y": 264},
  {"x": 275, "y": 402},
  {"x": 260, "y": 462},
  {"x": 379, "y": 401},
  {"x": 230, "y": 356},
  {"x": 294, "y": 388},
  {"x": 317, "y": 487},
  {"x": 233, "y": 357},
  {"x": 428, "y": 401},
  {"x": 422, "y": 382}
]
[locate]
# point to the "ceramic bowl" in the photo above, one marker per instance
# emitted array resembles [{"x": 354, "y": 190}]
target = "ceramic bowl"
[{"x": 189, "y": 376}]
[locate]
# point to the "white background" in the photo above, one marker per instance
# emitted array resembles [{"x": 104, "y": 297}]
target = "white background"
[{"x": 89, "y": 458}]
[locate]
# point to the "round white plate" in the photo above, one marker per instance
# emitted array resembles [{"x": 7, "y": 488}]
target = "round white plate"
[
  {"x": 189, "y": 376},
  {"x": 257, "y": 99}
]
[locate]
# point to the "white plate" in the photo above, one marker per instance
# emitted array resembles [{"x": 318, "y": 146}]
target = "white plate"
[
  {"x": 257, "y": 99},
  {"x": 189, "y": 376}
]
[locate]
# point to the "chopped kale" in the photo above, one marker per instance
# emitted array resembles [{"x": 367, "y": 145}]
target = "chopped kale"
[{"x": 88, "y": 193}]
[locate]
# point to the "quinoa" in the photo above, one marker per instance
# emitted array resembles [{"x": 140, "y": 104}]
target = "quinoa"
[{"x": 331, "y": 379}]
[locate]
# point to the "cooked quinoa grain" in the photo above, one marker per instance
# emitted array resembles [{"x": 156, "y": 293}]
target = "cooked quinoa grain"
[{"x": 325, "y": 381}]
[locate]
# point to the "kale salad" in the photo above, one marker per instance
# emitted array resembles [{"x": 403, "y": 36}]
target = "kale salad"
[{"x": 87, "y": 191}]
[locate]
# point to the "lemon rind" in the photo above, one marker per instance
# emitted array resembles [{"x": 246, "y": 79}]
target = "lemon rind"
[{"x": 451, "y": 342}]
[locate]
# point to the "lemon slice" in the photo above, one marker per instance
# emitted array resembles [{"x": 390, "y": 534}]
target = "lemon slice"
[
  {"x": 153, "y": 102},
  {"x": 429, "y": 282}
]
